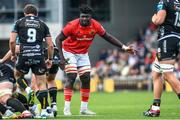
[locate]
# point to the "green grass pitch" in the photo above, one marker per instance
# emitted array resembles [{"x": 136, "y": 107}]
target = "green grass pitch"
[{"x": 121, "y": 105}]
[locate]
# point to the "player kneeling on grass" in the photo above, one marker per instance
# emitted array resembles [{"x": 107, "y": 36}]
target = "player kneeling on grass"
[{"x": 6, "y": 88}]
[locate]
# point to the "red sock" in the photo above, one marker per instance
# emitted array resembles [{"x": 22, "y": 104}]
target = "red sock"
[
  {"x": 67, "y": 94},
  {"x": 85, "y": 95}
]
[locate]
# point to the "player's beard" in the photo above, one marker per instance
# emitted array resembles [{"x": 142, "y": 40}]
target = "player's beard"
[{"x": 85, "y": 22}]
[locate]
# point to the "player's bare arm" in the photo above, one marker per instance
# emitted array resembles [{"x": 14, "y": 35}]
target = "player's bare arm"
[
  {"x": 159, "y": 18},
  {"x": 108, "y": 37},
  {"x": 8, "y": 55},
  {"x": 12, "y": 44},
  {"x": 50, "y": 51},
  {"x": 59, "y": 39}
]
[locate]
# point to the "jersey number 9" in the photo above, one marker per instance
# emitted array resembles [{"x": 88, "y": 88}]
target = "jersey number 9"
[{"x": 32, "y": 35}]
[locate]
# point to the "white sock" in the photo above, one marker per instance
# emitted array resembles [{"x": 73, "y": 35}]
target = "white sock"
[
  {"x": 84, "y": 105},
  {"x": 155, "y": 107},
  {"x": 67, "y": 104},
  {"x": 28, "y": 90}
]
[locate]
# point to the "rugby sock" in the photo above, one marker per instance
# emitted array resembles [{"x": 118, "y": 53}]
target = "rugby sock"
[
  {"x": 23, "y": 83},
  {"x": 84, "y": 98},
  {"x": 178, "y": 95},
  {"x": 16, "y": 104},
  {"x": 156, "y": 102},
  {"x": 42, "y": 96},
  {"x": 2, "y": 108},
  {"x": 68, "y": 94},
  {"x": 23, "y": 100},
  {"x": 53, "y": 94},
  {"x": 67, "y": 97}
]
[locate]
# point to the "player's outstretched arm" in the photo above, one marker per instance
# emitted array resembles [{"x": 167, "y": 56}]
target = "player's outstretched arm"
[{"x": 111, "y": 39}]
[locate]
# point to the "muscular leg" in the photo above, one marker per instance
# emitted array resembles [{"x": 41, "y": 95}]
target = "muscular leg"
[
  {"x": 23, "y": 83},
  {"x": 85, "y": 90},
  {"x": 158, "y": 87},
  {"x": 170, "y": 75},
  {"x": 52, "y": 87},
  {"x": 42, "y": 94},
  {"x": 68, "y": 92},
  {"x": 157, "y": 91},
  {"x": 34, "y": 83},
  {"x": 85, "y": 78},
  {"x": 52, "y": 92},
  {"x": 173, "y": 81}
]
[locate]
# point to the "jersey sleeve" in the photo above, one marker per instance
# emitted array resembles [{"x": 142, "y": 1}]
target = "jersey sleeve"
[
  {"x": 162, "y": 5},
  {"x": 17, "y": 40},
  {"x": 15, "y": 27},
  {"x": 47, "y": 33},
  {"x": 99, "y": 28},
  {"x": 67, "y": 30}
]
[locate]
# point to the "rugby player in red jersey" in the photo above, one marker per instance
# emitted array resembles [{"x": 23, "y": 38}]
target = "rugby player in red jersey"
[{"x": 73, "y": 43}]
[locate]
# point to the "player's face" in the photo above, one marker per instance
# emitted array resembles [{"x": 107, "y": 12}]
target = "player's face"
[{"x": 85, "y": 19}]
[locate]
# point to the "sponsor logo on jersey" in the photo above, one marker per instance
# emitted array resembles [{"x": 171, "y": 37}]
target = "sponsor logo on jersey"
[
  {"x": 92, "y": 32},
  {"x": 41, "y": 70}
]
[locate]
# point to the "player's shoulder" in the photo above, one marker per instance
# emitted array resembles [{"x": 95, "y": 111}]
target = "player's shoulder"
[
  {"x": 73, "y": 22},
  {"x": 19, "y": 20},
  {"x": 95, "y": 23}
]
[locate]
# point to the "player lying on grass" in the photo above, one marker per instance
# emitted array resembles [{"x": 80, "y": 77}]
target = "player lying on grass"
[{"x": 7, "y": 82}]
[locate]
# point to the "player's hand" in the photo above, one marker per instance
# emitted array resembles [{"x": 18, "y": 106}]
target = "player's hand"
[
  {"x": 14, "y": 58},
  {"x": 62, "y": 63},
  {"x": 129, "y": 49},
  {"x": 48, "y": 63},
  {"x": 1, "y": 60},
  {"x": 154, "y": 18}
]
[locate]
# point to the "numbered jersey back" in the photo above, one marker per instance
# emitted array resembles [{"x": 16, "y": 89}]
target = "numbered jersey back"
[
  {"x": 172, "y": 20},
  {"x": 31, "y": 30}
]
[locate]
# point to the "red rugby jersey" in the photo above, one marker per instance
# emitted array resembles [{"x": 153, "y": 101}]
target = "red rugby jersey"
[{"x": 79, "y": 38}]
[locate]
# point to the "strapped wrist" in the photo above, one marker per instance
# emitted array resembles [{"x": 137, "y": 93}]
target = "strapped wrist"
[{"x": 124, "y": 47}]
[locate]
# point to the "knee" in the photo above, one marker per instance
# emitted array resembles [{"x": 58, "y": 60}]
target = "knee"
[
  {"x": 71, "y": 77},
  {"x": 85, "y": 80}
]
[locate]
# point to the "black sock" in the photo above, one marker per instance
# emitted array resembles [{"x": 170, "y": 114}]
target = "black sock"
[
  {"x": 16, "y": 104},
  {"x": 178, "y": 95},
  {"x": 156, "y": 102},
  {"x": 2, "y": 108},
  {"x": 23, "y": 100},
  {"x": 23, "y": 83},
  {"x": 42, "y": 96},
  {"x": 53, "y": 94}
]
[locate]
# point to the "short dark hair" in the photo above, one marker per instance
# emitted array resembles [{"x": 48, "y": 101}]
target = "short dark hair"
[
  {"x": 30, "y": 9},
  {"x": 85, "y": 9}
]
